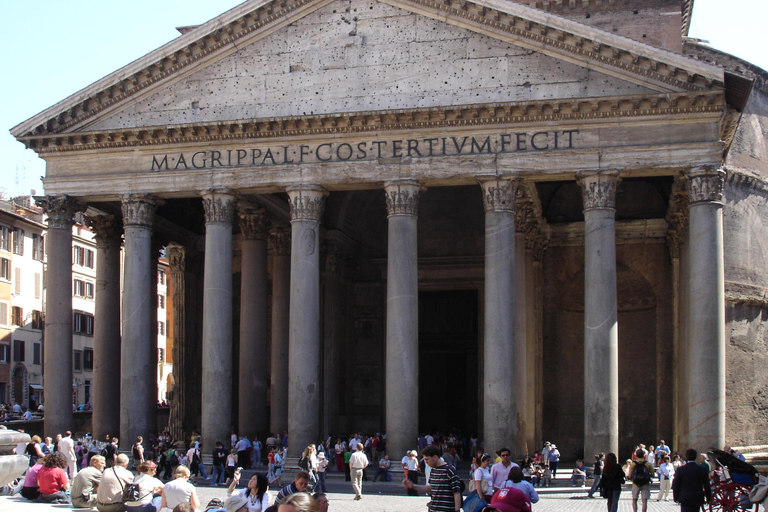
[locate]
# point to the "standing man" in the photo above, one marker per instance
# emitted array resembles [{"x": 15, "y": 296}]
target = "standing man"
[
  {"x": 500, "y": 470},
  {"x": 444, "y": 485},
  {"x": 640, "y": 472},
  {"x": 690, "y": 487},
  {"x": 219, "y": 459},
  {"x": 111, "y": 452},
  {"x": 67, "y": 448},
  {"x": 242, "y": 452},
  {"x": 554, "y": 459},
  {"x": 357, "y": 463}
]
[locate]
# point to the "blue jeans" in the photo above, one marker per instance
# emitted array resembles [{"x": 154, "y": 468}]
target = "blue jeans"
[
  {"x": 612, "y": 498},
  {"x": 579, "y": 479},
  {"x": 152, "y": 506},
  {"x": 594, "y": 484},
  {"x": 218, "y": 469},
  {"x": 321, "y": 482}
]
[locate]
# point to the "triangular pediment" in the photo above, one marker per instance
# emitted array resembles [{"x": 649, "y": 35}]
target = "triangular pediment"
[{"x": 302, "y": 57}]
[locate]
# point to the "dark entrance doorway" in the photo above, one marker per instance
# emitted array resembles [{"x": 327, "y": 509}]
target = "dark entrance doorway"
[{"x": 448, "y": 344}]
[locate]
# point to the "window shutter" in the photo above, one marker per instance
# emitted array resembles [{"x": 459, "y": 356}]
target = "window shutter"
[{"x": 17, "y": 279}]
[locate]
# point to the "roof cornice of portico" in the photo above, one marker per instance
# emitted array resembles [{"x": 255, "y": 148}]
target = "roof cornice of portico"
[
  {"x": 538, "y": 30},
  {"x": 508, "y": 114}
]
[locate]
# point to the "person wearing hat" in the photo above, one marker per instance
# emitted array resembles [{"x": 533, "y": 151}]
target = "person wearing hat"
[
  {"x": 510, "y": 499},
  {"x": 150, "y": 489},
  {"x": 234, "y": 503}
]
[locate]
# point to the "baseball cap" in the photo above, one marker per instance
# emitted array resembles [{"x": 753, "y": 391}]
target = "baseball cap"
[
  {"x": 235, "y": 502},
  {"x": 509, "y": 499}
]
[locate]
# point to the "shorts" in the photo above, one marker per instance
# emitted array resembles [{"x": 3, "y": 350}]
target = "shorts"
[{"x": 644, "y": 491}]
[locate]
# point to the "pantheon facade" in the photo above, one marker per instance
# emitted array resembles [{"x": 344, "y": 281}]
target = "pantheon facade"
[{"x": 523, "y": 220}]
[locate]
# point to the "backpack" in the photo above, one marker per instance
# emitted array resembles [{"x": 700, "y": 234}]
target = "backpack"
[
  {"x": 641, "y": 476},
  {"x": 131, "y": 493},
  {"x": 215, "y": 504},
  {"x": 174, "y": 459},
  {"x": 304, "y": 463}
]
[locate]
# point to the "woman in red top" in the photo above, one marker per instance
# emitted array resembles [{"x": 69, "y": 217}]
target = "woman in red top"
[{"x": 52, "y": 479}]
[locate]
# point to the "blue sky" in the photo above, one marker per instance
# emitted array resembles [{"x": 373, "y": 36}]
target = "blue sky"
[{"x": 54, "y": 48}]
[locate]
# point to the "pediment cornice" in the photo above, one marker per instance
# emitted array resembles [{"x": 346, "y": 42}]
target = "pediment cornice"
[
  {"x": 530, "y": 28},
  {"x": 478, "y": 115}
]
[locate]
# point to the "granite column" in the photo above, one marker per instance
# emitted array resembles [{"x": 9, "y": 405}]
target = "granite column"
[
  {"x": 281, "y": 304},
  {"x": 304, "y": 355},
  {"x": 57, "y": 361},
  {"x": 601, "y": 340},
  {"x": 500, "y": 421},
  {"x": 253, "y": 417},
  {"x": 216, "y": 403},
  {"x": 402, "y": 335},
  {"x": 138, "y": 374},
  {"x": 106, "y": 330},
  {"x": 706, "y": 350}
]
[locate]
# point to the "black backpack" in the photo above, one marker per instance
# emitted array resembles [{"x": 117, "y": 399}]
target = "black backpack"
[
  {"x": 641, "y": 476},
  {"x": 132, "y": 493}
]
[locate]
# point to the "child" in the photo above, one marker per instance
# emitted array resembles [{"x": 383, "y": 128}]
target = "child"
[{"x": 546, "y": 476}]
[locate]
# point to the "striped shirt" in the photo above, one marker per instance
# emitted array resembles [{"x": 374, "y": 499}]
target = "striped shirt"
[{"x": 444, "y": 482}]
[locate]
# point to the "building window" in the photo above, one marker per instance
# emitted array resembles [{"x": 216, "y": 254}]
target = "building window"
[
  {"x": 38, "y": 247},
  {"x": 161, "y": 301},
  {"x": 83, "y": 323},
  {"x": 17, "y": 281},
  {"x": 5, "y": 269},
  {"x": 82, "y": 256},
  {"x": 5, "y": 353},
  {"x": 17, "y": 316},
  {"x": 88, "y": 359},
  {"x": 89, "y": 290},
  {"x": 38, "y": 278},
  {"x": 77, "y": 361},
  {"x": 161, "y": 277},
  {"x": 18, "y": 241},
  {"x": 161, "y": 328},
  {"x": 82, "y": 289},
  {"x": 37, "y": 353},
  {"x": 19, "y": 354},
  {"x": 161, "y": 355},
  {"x": 37, "y": 319},
  {"x": 5, "y": 238},
  {"x": 3, "y": 313}
]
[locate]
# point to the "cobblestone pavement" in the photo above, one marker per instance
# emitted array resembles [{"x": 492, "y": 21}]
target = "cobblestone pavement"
[{"x": 390, "y": 497}]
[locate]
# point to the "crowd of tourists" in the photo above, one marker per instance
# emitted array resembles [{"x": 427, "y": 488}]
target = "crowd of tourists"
[{"x": 160, "y": 474}]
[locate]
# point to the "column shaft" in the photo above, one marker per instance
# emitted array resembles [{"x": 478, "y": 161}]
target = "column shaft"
[
  {"x": 216, "y": 418},
  {"x": 500, "y": 414},
  {"x": 706, "y": 391},
  {"x": 253, "y": 415},
  {"x": 106, "y": 329},
  {"x": 601, "y": 342},
  {"x": 281, "y": 304},
  {"x": 402, "y": 335},
  {"x": 177, "y": 263},
  {"x": 522, "y": 360},
  {"x": 57, "y": 361},
  {"x": 138, "y": 374},
  {"x": 304, "y": 331}
]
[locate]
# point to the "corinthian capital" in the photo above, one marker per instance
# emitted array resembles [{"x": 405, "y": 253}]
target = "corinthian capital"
[
  {"x": 106, "y": 230},
  {"x": 219, "y": 205},
  {"x": 280, "y": 240},
  {"x": 139, "y": 209},
  {"x": 60, "y": 210},
  {"x": 598, "y": 189},
  {"x": 307, "y": 202},
  {"x": 254, "y": 223},
  {"x": 499, "y": 193},
  {"x": 176, "y": 257},
  {"x": 705, "y": 185},
  {"x": 402, "y": 197}
]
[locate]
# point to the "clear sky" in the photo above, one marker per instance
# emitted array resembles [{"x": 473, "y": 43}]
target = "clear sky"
[{"x": 54, "y": 48}]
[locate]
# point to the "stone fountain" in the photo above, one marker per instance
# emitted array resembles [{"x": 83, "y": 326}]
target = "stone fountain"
[{"x": 12, "y": 466}]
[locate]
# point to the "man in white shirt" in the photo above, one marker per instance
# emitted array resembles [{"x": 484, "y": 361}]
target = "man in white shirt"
[
  {"x": 357, "y": 463},
  {"x": 67, "y": 448},
  {"x": 109, "y": 497}
]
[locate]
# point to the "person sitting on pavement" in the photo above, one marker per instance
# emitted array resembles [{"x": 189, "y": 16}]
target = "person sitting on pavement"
[
  {"x": 150, "y": 489},
  {"x": 109, "y": 497},
  {"x": 383, "y": 470},
  {"x": 256, "y": 493},
  {"x": 299, "y": 484},
  {"x": 180, "y": 491},
  {"x": 29, "y": 489},
  {"x": 299, "y": 502},
  {"x": 85, "y": 485},
  {"x": 52, "y": 479}
]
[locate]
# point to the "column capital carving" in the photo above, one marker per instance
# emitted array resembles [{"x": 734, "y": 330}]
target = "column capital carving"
[
  {"x": 106, "y": 230},
  {"x": 176, "y": 257},
  {"x": 598, "y": 189},
  {"x": 307, "y": 202},
  {"x": 60, "y": 210},
  {"x": 280, "y": 239},
  {"x": 705, "y": 184},
  {"x": 219, "y": 205},
  {"x": 403, "y": 197},
  {"x": 139, "y": 209},
  {"x": 499, "y": 193},
  {"x": 677, "y": 218},
  {"x": 254, "y": 223}
]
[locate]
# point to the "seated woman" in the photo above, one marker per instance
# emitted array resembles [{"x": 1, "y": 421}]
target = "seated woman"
[
  {"x": 150, "y": 489},
  {"x": 52, "y": 479},
  {"x": 256, "y": 492},
  {"x": 180, "y": 491},
  {"x": 299, "y": 502},
  {"x": 30, "y": 490}
]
